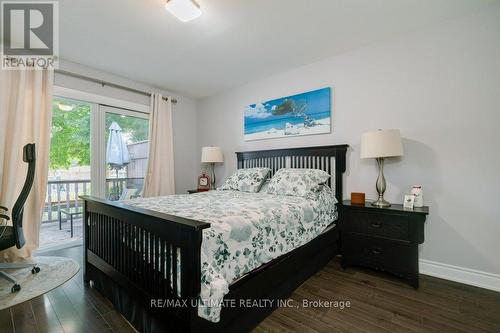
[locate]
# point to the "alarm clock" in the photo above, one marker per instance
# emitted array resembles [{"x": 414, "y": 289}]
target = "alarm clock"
[{"x": 203, "y": 182}]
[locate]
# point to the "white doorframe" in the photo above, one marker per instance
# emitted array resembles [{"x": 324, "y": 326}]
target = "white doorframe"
[{"x": 96, "y": 153}]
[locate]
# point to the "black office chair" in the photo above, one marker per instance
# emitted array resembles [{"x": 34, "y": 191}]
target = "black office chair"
[{"x": 13, "y": 235}]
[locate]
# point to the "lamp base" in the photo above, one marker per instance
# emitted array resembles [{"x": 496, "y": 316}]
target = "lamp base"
[
  {"x": 212, "y": 181},
  {"x": 381, "y": 203},
  {"x": 380, "y": 185}
]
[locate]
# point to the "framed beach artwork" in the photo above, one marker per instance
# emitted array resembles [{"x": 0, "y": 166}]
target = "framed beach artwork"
[{"x": 302, "y": 114}]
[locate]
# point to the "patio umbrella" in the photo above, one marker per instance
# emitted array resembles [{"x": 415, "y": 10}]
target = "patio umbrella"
[{"x": 117, "y": 155}]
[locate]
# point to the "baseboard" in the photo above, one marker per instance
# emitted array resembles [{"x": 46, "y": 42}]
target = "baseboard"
[{"x": 460, "y": 274}]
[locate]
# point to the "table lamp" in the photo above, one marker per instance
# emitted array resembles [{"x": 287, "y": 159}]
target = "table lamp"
[
  {"x": 212, "y": 155},
  {"x": 381, "y": 144}
]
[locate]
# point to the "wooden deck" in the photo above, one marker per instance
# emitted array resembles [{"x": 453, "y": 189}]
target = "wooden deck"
[{"x": 51, "y": 235}]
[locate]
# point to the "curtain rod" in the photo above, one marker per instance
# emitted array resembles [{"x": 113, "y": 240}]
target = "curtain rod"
[{"x": 110, "y": 84}]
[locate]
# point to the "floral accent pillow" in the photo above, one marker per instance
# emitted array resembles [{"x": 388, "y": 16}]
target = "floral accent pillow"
[
  {"x": 246, "y": 180},
  {"x": 297, "y": 182}
]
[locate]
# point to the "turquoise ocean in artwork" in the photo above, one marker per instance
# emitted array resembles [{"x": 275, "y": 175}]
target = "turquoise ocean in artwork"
[
  {"x": 302, "y": 111},
  {"x": 263, "y": 126}
]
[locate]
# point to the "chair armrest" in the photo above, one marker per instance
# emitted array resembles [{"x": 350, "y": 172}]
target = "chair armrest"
[
  {"x": 5, "y": 217},
  {"x": 4, "y": 208}
]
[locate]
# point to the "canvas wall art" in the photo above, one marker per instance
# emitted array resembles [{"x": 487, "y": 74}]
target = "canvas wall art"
[{"x": 302, "y": 114}]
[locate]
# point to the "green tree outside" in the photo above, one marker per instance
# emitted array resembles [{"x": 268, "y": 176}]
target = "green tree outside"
[{"x": 70, "y": 135}]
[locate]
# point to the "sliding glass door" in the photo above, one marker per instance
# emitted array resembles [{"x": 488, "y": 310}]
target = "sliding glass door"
[
  {"x": 125, "y": 148},
  {"x": 69, "y": 176},
  {"x": 95, "y": 150}
]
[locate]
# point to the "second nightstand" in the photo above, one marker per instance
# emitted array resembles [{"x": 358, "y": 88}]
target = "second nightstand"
[{"x": 382, "y": 238}]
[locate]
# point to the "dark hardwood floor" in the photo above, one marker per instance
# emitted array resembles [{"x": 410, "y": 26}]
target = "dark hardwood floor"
[
  {"x": 72, "y": 307},
  {"x": 378, "y": 303},
  {"x": 382, "y": 303}
]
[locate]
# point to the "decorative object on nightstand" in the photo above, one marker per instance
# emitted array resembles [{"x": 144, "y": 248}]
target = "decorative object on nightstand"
[
  {"x": 417, "y": 192},
  {"x": 212, "y": 155},
  {"x": 381, "y": 144},
  {"x": 384, "y": 238},
  {"x": 409, "y": 201},
  {"x": 203, "y": 183},
  {"x": 357, "y": 198}
]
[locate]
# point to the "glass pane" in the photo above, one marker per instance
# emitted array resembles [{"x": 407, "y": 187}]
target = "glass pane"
[
  {"x": 69, "y": 167},
  {"x": 126, "y": 155}
]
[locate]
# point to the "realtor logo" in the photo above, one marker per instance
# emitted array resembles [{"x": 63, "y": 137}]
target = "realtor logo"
[{"x": 29, "y": 34}]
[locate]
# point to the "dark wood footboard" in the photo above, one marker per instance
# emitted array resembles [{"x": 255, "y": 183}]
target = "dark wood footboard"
[{"x": 149, "y": 254}]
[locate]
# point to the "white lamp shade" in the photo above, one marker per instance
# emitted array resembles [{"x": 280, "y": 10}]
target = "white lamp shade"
[
  {"x": 381, "y": 143},
  {"x": 211, "y": 155}
]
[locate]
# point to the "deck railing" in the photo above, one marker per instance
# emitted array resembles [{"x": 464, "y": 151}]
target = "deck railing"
[{"x": 65, "y": 193}]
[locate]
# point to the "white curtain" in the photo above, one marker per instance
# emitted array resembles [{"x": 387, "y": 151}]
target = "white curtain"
[
  {"x": 159, "y": 178},
  {"x": 25, "y": 117}
]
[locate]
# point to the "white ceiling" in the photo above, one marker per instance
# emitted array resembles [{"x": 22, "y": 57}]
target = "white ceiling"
[{"x": 234, "y": 41}]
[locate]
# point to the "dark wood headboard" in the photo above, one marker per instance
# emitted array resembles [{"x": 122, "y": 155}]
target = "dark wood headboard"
[{"x": 331, "y": 159}]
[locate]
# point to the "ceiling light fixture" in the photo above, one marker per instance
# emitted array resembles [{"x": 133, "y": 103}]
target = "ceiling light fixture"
[{"x": 184, "y": 10}]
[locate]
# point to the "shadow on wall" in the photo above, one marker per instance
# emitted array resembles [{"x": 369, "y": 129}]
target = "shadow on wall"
[
  {"x": 420, "y": 165},
  {"x": 417, "y": 166}
]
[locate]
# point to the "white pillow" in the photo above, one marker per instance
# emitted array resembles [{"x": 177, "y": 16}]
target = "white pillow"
[
  {"x": 297, "y": 182},
  {"x": 246, "y": 180}
]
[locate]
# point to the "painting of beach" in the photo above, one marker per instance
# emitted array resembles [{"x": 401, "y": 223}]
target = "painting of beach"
[{"x": 302, "y": 114}]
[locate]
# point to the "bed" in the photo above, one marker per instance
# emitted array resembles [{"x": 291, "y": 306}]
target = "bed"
[{"x": 152, "y": 257}]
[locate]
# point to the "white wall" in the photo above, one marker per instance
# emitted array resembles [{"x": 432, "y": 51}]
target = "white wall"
[
  {"x": 441, "y": 87},
  {"x": 184, "y": 115}
]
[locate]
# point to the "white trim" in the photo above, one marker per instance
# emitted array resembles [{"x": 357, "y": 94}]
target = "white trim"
[
  {"x": 99, "y": 99},
  {"x": 460, "y": 274},
  {"x": 96, "y": 155}
]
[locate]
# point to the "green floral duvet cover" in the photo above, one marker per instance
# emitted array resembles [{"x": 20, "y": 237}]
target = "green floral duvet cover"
[{"x": 247, "y": 230}]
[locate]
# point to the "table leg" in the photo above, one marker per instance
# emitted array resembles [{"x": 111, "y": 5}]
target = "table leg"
[
  {"x": 59, "y": 213},
  {"x": 71, "y": 226}
]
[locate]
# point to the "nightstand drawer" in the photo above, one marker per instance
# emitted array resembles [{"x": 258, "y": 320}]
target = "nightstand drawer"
[
  {"x": 376, "y": 252},
  {"x": 382, "y": 225}
]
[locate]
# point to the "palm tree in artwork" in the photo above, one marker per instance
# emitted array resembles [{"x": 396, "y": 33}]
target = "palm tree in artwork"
[{"x": 297, "y": 109}]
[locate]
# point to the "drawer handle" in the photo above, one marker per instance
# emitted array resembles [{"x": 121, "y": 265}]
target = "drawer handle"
[
  {"x": 377, "y": 251},
  {"x": 376, "y": 225}
]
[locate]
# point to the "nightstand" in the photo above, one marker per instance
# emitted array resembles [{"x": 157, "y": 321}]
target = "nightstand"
[
  {"x": 382, "y": 238},
  {"x": 195, "y": 191}
]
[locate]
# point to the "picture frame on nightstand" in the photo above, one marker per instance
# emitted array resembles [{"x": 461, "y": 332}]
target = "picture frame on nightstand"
[{"x": 409, "y": 201}]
